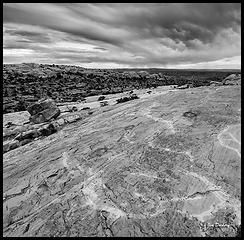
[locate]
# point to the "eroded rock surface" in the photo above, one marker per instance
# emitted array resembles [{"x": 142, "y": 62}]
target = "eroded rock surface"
[
  {"x": 19, "y": 135},
  {"x": 142, "y": 168}
]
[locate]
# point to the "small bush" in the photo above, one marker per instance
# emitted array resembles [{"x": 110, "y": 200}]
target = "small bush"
[
  {"x": 134, "y": 96},
  {"x": 103, "y": 104},
  {"x": 101, "y": 98},
  {"x": 126, "y": 99}
]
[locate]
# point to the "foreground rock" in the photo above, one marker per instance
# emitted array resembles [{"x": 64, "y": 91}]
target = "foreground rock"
[
  {"x": 43, "y": 111},
  {"x": 165, "y": 166}
]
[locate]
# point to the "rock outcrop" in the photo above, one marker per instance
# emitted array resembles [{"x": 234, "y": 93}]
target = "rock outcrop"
[
  {"x": 43, "y": 111},
  {"x": 233, "y": 79},
  {"x": 19, "y": 135},
  {"x": 215, "y": 83}
]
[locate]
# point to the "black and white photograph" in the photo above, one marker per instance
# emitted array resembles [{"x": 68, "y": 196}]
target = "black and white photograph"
[{"x": 121, "y": 119}]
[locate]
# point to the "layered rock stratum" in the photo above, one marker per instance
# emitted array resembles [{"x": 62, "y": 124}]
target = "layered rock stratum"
[{"x": 166, "y": 165}]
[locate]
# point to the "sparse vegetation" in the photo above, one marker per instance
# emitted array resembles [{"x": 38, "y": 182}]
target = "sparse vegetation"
[
  {"x": 101, "y": 98},
  {"x": 126, "y": 99},
  {"x": 103, "y": 104}
]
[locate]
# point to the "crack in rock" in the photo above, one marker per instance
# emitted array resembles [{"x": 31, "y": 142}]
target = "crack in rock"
[{"x": 223, "y": 140}]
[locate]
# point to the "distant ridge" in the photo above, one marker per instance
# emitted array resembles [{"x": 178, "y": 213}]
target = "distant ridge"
[
  {"x": 137, "y": 69},
  {"x": 178, "y": 69}
]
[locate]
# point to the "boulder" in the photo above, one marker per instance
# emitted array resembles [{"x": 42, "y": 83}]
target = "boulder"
[
  {"x": 43, "y": 111},
  {"x": 60, "y": 122},
  {"x": 34, "y": 109},
  {"x": 72, "y": 118},
  {"x": 48, "y": 103},
  {"x": 51, "y": 113}
]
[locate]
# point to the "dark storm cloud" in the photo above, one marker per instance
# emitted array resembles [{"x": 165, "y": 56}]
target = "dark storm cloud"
[
  {"x": 181, "y": 22},
  {"x": 45, "y": 15},
  {"x": 145, "y": 34}
]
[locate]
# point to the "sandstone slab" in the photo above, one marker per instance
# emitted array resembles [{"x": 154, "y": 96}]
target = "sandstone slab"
[{"x": 139, "y": 169}]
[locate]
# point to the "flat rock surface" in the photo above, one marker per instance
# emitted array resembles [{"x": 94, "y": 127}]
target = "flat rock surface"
[{"x": 138, "y": 168}]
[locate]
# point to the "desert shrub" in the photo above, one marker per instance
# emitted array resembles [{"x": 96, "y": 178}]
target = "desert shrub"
[
  {"x": 149, "y": 92},
  {"x": 105, "y": 103},
  {"x": 101, "y": 98},
  {"x": 134, "y": 96},
  {"x": 50, "y": 129},
  {"x": 126, "y": 99}
]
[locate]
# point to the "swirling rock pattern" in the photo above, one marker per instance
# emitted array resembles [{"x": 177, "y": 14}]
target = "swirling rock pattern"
[{"x": 137, "y": 169}]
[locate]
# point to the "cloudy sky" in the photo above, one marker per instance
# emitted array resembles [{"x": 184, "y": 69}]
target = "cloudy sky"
[{"x": 115, "y": 35}]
